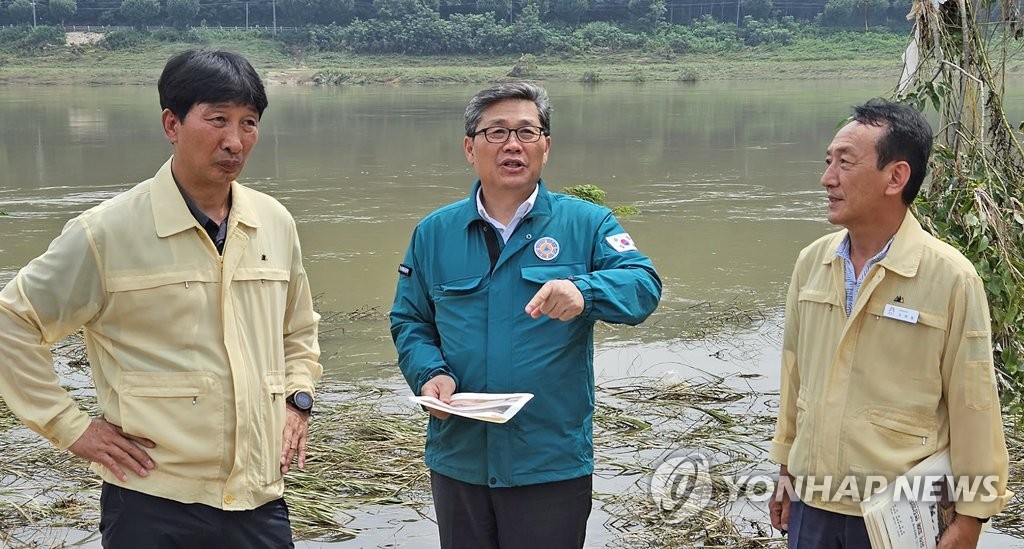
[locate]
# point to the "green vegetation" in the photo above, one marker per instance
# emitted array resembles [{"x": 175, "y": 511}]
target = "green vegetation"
[
  {"x": 974, "y": 201},
  {"x": 596, "y": 195},
  {"x": 324, "y": 55}
]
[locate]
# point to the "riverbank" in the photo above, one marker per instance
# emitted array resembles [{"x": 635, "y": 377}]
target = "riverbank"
[{"x": 82, "y": 63}]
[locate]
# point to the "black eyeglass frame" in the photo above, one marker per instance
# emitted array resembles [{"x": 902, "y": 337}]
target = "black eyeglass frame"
[{"x": 541, "y": 132}]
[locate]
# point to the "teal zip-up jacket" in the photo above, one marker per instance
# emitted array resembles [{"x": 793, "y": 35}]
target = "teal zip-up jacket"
[{"x": 454, "y": 314}]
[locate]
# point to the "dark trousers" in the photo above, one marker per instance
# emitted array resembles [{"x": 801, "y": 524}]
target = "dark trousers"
[
  {"x": 130, "y": 519},
  {"x": 552, "y": 515},
  {"x": 813, "y": 528}
]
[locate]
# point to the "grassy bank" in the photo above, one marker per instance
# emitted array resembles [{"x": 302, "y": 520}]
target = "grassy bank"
[{"x": 842, "y": 55}]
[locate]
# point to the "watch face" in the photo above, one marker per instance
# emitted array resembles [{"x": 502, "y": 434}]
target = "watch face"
[{"x": 303, "y": 400}]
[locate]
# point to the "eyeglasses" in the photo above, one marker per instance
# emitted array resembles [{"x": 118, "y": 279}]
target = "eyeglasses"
[{"x": 497, "y": 134}]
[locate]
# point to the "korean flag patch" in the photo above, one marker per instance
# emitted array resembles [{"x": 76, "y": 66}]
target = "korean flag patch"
[{"x": 621, "y": 242}]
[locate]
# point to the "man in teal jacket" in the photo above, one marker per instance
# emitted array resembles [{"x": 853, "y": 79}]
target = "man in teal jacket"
[{"x": 499, "y": 293}]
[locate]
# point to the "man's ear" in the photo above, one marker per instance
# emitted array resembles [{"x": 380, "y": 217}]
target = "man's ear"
[
  {"x": 467, "y": 147},
  {"x": 898, "y": 172},
  {"x": 171, "y": 123}
]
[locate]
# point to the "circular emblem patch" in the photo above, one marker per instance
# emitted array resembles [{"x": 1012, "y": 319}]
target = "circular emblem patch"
[{"x": 546, "y": 248}]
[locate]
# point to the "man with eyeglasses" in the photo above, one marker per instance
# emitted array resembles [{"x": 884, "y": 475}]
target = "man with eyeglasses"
[{"x": 499, "y": 293}]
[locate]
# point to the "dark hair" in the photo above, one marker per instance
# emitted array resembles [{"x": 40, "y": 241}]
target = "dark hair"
[
  {"x": 509, "y": 90},
  {"x": 209, "y": 76},
  {"x": 907, "y": 137}
]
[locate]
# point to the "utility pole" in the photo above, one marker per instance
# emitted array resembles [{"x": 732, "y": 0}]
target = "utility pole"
[
  {"x": 246, "y": 16},
  {"x": 33, "y": 14},
  {"x": 275, "y": 16}
]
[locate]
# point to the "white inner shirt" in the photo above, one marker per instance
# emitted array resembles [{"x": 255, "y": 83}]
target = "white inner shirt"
[{"x": 506, "y": 232}]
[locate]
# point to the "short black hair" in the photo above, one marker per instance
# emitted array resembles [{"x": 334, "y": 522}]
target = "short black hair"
[
  {"x": 209, "y": 76},
  {"x": 907, "y": 137}
]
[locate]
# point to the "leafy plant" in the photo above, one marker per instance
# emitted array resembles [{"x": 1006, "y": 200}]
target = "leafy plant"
[
  {"x": 596, "y": 195},
  {"x": 974, "y": 201}
]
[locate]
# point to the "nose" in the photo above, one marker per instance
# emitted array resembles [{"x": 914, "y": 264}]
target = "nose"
[
  {"x": 828, "y": 177},
  {"x": 232, "y": 141},
  {"x": 513, "y": 142}
]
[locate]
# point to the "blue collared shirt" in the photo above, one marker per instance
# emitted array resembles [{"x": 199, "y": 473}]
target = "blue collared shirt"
[{"x": 854, "y": 282}]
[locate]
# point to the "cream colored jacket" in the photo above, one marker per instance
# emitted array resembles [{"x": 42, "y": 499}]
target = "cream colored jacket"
[
  {"x": 193, "y": 350},
  {"x": 872, "y": 395}
]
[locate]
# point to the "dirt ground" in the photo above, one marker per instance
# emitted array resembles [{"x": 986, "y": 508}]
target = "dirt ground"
[{"x": 82, "y": 38}]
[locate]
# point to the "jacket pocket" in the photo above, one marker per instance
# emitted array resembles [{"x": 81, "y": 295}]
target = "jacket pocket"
[
  {"x": 890, "y": 440},
  {"x": 457, "y": 287},
  {"x": 904, "y": 429},
  {"x": 540, "y": 274},
  {"x": 273, "y": 417},
  {"x": 161, "y": 310},
  {"x": 183, "y": 413},
  {"x": 460, "y": 315},
  {"x": 913, "y": 348},
  {"x": 980, "y": 391},
  {"x": 800, "y": 451}
]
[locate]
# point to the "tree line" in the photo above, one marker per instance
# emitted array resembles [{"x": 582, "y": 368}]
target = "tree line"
[{"x": 637, "y": 16}]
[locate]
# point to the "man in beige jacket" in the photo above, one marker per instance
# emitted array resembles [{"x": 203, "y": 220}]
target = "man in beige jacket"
[
  {"x": 199, "y": 328},
  {"x": 887, "y": 353}
]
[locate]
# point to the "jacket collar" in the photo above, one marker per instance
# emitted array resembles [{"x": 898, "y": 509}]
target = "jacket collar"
[
  {"x": 171, "y": 215},
  {"x": 904, "y": 255},
  {"x": 541, "y": 207}
]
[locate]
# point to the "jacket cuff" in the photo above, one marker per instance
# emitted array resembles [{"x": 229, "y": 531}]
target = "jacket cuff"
[
  {"x": 588, "y": 295},
  {"x": 779, "y": 452},
  {"x": 66, "y": 431},
  {"x": 431, "y": 374},
  {"x": 981, "y": 509}
]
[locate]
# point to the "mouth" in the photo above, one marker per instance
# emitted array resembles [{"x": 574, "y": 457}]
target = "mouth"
[
  {"x": 513, "y": 164},
  {"x": 230, "y": 165}
]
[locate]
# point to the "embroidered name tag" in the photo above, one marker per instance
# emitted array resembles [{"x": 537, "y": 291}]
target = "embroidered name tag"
[
  {"x": 404, "y": 270},
  {"x": 901, "y": 313}
]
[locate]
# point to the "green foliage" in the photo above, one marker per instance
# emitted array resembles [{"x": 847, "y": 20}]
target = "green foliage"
[
  {"x": 60, "y": 10},
  {"x": 596, "y": 195},
  {"x": 399, "y": 9},
  {"x": 758, "y": 33},
  {"x": 28, "y": 39},
  {"x": 20, "y": 11},
  {"x": 590, "y": 77},
  {"x": 648, "y": 14},
  {"x": 182, "y": 12},
  {"x": 590, "y": 193},
  {"x": 312, "y": 12},
  {"x": 974, "y": 201},
  {"x": 123, "y": 39},
  {"x": 757, "y": 9},
  {"x": 855, "y": 13},
  {"x": 688, "y": 74},
  {"x": 705, "y": 35},
  {"x": 139, "y": 12},
  {"x": 569, "y": 11},
  {"x": 604, "y": 36},
  {"x": 968, "y": 208}
]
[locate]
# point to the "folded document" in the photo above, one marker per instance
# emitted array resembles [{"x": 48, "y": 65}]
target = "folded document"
[{"x": 492, "y": 407}]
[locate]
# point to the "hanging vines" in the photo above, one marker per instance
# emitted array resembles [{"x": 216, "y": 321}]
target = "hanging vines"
[{"x": 957, "y": 64}]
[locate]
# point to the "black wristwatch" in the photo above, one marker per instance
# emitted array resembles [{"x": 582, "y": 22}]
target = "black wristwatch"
[{"x": 301, "y": 400}]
